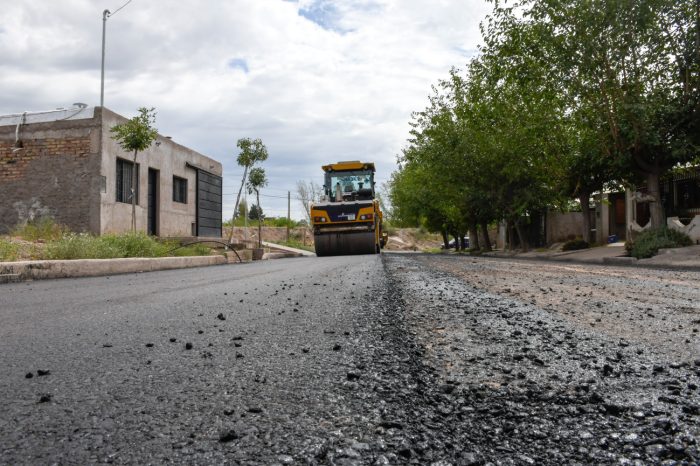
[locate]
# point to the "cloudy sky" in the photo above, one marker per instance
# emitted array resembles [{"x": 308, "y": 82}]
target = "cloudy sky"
[{"x": 317, "y": 80}]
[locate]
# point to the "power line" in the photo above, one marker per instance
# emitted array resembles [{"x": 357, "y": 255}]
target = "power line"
[{"x": 117, "y": 10}]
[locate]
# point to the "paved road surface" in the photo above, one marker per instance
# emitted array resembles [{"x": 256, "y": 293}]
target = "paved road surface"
[{"x": 343, "y": 360}]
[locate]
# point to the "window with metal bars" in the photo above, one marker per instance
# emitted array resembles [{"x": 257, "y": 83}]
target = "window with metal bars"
[
  {"x": 179, "y": 189},
  {"x": 124, "y": 178}
]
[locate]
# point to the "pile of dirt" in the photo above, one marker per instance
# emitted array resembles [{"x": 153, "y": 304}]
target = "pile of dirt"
[{"x": 412, "y": 239}]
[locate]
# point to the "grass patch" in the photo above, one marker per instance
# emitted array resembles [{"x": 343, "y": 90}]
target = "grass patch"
[
  {"x": 44, "y": 228},
  {"x": 9, "y": 252},
  {"x": 86, "y": 246},
  {"x": 648, "y": 243}
]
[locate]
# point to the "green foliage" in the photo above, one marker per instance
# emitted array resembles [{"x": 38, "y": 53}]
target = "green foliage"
[
  {"x": 43, "y": 228},
  {"x": 9, "y": 251},
  {"x": 575, "y": 245},
  {"x": 565, "y": 98},
  {"x": 281, "y": 222},
  {"x": 252, "y": 152},
  {"x": 86, "y": 246},
  {"x": 648, "y": 243},
  {"x": 256, "y": 213},
  {"x": 256, "y": 181},
  {"x": 138, "y": 133}
]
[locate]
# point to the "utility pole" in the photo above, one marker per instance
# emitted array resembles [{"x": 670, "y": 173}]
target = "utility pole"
[
  {"x": 289, "y": 218},
  {"x": 105, "y": 15}
]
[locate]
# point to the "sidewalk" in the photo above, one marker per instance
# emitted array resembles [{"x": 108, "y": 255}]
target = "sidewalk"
[
  {"x": 614, "y": 254},
  {"x": 285, "y": 251}
]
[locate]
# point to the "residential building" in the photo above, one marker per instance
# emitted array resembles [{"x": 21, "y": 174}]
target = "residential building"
[{"x": 65, "y": 164}]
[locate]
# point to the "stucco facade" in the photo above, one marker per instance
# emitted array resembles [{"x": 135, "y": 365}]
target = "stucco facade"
[{"x": 66, "y": 168}]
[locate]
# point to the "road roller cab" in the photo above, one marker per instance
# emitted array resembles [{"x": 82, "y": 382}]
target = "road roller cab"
[{"x": 348, "y": 219}]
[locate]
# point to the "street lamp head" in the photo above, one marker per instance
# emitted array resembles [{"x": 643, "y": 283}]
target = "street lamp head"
[{"x": 105, "y": 14}]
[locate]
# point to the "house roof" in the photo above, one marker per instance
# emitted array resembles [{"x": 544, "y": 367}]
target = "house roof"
[{"x": 73, "y": 113}]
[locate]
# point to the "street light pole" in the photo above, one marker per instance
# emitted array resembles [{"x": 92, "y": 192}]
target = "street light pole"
[{"x": 105, "y": 15}]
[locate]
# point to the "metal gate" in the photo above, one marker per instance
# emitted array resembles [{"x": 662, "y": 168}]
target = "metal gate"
[{"x": 208, "y": 204}]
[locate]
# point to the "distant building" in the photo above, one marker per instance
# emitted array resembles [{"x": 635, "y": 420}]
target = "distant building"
[{"x": 65, "y": 164}]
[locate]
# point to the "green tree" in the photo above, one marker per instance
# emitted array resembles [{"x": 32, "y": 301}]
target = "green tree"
[
  {"x": 631, "y": 66},
  {"x": 256, "y": 213},
  {"x": 256, "y": 181},
  {"x": 136, "y": 135},
  {"x": 252, "y": 152}
]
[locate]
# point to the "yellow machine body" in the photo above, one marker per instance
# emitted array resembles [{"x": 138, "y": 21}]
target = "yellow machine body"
[{"x": 348, "y": 220}]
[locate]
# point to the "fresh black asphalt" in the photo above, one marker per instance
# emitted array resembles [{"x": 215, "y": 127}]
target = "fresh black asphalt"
[{"x": 321, "y": 361}]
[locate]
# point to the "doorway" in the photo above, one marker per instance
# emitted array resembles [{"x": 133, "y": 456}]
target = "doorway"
[{"x": 152, "y": 202}]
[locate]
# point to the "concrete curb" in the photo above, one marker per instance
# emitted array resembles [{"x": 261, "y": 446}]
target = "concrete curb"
[{"x": 37, "y": 270}]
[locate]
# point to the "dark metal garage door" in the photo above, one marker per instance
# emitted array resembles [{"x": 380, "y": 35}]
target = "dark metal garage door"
[{"x": 208, "y": 204}]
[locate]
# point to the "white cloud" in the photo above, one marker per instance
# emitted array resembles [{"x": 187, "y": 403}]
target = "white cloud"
[{"x": 318, "y": 81}]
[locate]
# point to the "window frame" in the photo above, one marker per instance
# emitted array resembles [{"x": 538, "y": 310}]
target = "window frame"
[
  {"x": 180, "y": 186},
  {"x": 120, "y": 187}
]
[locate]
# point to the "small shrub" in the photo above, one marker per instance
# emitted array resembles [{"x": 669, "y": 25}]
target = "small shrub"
[
  {"x": 43, "y": 228},
  {"x": 136, "y": 244},
  {"x": 648, "y": 243},
  {"x": 575, "y": 245},
  {"x": 78, "y": 246},
  {"x": 9, "y": 252}
]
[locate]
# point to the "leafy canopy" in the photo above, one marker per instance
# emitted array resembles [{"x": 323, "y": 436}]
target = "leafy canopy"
[{"x": 138, "y": 133}]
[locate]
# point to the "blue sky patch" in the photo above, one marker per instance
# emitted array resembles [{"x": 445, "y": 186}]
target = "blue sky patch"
[
  {"x": 238, "y": 63},
  {"x": 324, "y": 13}
]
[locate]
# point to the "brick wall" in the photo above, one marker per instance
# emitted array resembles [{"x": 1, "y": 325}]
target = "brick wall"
[{"x": 56, "y": 173}]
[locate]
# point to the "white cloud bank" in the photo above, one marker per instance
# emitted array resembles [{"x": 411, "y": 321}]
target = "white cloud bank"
[{"x": 318, "y": 80}]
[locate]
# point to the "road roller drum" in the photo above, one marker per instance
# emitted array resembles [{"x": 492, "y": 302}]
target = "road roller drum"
[{"x": 342, "y": 244}]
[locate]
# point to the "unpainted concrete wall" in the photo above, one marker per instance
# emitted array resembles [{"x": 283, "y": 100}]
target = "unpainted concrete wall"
[
  {"x": 564, "y": 226},
  {"x": 169, "y": 158},
  {"x": 56, "y": 174}
]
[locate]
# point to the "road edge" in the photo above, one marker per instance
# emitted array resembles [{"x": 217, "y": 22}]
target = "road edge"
[{"x": 48, "y": 269}]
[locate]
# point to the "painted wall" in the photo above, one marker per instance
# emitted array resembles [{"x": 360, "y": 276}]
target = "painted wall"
[
  {"x": 55, "y": 173},
  {"x": 170, "y": 159}
]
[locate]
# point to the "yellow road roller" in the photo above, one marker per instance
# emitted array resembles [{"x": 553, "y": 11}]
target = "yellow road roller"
[{"x": 348, "y": 220}]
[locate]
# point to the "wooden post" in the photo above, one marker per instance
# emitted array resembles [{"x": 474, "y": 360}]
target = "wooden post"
[{"x": 289, "y": 219}]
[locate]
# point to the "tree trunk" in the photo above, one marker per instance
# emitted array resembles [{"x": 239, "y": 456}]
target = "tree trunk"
[
  {"x": 656, "y": 209},
  {"x": 521, "y": 237},
  {"x": 487, "y": 240},
  {"x": 473, "y": 236},
  {"x": 133, "y": 194},
  {"x": 445, "y": 239},
  {"x": 456, "y": 237},
  {"x": 238, "y": 199},
  {"x": 509, "y": 235},
  {"x": 257, "y": 197},
  {"x": 584, "y": 198}
]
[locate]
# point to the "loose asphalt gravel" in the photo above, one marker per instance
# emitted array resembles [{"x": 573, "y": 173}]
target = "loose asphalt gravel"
[{"x": 392, "y": 359}]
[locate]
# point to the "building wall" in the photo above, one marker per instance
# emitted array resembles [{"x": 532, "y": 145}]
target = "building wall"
[
  {"x": 563, "y": 226},
  {"x": 170, "y": 159},
  {"x": 54, "y": 174}
]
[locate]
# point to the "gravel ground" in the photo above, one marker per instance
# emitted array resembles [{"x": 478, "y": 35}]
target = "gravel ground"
[
  {"x": 398, "y": 359},
  {"x": 570, "y": 365}
]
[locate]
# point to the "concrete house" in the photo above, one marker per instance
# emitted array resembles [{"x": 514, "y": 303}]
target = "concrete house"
[{"x": 64, "y": 164}]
